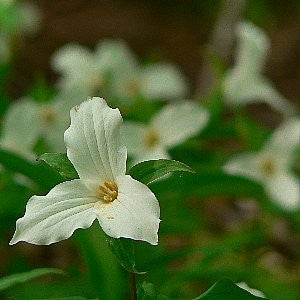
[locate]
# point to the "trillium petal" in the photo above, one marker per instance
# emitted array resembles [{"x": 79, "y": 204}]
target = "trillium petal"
[
  {"x": 21, "y": 128},
  {"x": 69, "y": 57},
  {"x": 163, "y": 81},
  {"x": 284, "y": 188},
  {"x": 175, "y": 123},
  {"x": 92, "y": 141},
  {"x": 286, "y": 138},
  {"x": 54, "y": 217},
  {"x": 134, "y": 214},
  {"x": 246, "y": 164},
  {"x": 253, "y": 45},
  {"x": 132, "y": 136}
]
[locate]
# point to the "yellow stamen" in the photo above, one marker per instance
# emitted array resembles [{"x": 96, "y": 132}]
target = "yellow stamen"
[
  {"x": 268, "y": 167},
  {"x": 108, "y": 192},
  {"x": 151, "y": 139},
  {"x": 48, "y": 115}
]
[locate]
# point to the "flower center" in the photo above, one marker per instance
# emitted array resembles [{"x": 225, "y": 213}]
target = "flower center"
[
  {"x": 151, "y": 139},
  {"x": 94, "y": 81},
  {"x": 268, "y": 167},
  {"x": 48, "y": 115},
  {"x": 133, "y": 87},
  {"x": 109, "y": 191}
]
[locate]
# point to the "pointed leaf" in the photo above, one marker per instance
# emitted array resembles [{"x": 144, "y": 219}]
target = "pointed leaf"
[
  {"x": 148, "y": 171},
  {"x": 60, "y": 163},
  {"x": 39, "y": 173},
  {"x": 226, "y": 289},
  {"x": 11, "y": 280}
]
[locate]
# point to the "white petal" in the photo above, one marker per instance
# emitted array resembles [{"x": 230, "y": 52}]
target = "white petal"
[
  {"x": 163, "y": 81},
  {"x": 121, "y": 66},
  {"x": 286, "y": 138},
  {"x": 241, "y": 89},
  {"x": 284, "y": 188},
  {"x": 21, "y": 128},
  {"x": 254, "y": 292},
  {"x": 253, "y": 45},
  {"x": 132, "y": 136},
  {"x": 54, "y": 217},
  {"x": 134, "y": 215},
  {"x": 59, "y": 110},
  {"x": 246, "y": 164},
  {"x": 175, "y": 123},
  {"x": 92, "y": 141},
  {"x": 69, "y": 57}
]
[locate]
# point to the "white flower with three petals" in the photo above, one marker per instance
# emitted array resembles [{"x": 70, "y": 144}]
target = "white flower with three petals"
[
  {"x": 244, "y": 83},
  {"x": 27, "y": 120},
  {"x": 171, "y": 126},
  {"x": 272, "y": 165},
  {"x": 155, "y": 81},
  {"x": 123, "y": 206}
]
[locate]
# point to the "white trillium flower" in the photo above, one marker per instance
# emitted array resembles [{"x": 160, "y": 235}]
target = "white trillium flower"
[
  {"x": 171, "y": 126},
  {"x": 272, "y": 165},
  {"x": 123, "y": 206},
  {"x": 244, "y": 83},
  {"x": 27, "y": 120},
  {"x": 79, "y": 68},
  {"x": 254, "y": 292},
  {"x": 155, "y": 81}
]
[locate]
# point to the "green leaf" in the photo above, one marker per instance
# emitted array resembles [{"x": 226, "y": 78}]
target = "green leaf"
[
  {"x": 225, "y": 289},
  {"x": 147, "y": 291},
  {"x": 42, "y": 174},
  {"x": 11, "y": 280},
  {"x": 148, "y": 171},
  {"x": 103, "y": 269},
  {"x": 124, "y": 251},
  {"x": 60, "y": 163}
]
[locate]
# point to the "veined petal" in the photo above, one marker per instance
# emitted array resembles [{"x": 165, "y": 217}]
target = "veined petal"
[
  {"x": 175, "y": 123},
  {"x": 163, "y": 81},
  {"x": 134, "y": 214},
  {"x": 92, "y": 141},
  {"x": 132, "y": 136},
  {"x": 21, "y": 127},
  {"x": 284, "y": 188},
  {"x": 54, "y": 217}
]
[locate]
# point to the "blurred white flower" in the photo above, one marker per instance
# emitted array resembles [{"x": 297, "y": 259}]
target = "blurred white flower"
[
  {"x": 123, "y": 206},
  {"x": 254, "y": 292},
  {"x": 171, "y": 126},
  {"x": 80, "y": 68},
  {"x": 16, "y": 18},
  {"x": 244, "y": 83},
  {"x": 27, "y": 120},
  {"x": 30, "y": 18},
  {"x": 154, "y": 81},
  {"x": 114, "y": 68},
  {"x": 272, "y": 165},
  {"x": 54, "y": 117}
]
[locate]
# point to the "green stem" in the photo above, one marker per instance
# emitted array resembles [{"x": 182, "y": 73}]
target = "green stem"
[{"x": 133, "y": 295}]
